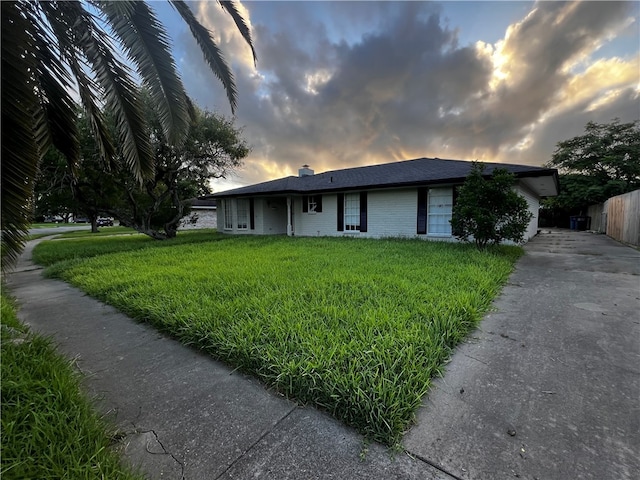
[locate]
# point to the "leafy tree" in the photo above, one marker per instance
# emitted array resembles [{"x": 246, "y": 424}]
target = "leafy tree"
[
  {"x": 577, "y": 192},
  {"x": 51, "y": 192},
  {"x": 94, "y": 185},
  {"x": 50, "y": 48},
  {"x": 213, "y": 148},
  {"x": 488, "y": 209},
  {"x": 602, "y": 163}
]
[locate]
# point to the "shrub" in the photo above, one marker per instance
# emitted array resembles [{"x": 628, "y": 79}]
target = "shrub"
[{"x": 488, "y": 210}]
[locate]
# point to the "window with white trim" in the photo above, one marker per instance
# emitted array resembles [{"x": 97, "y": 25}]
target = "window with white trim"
[
  {"x": 242, "y": 212},
  {"x": 228, "y": 215},
  {"x": 439, "y": 210},
  {"x": 352, "y": 212},
  {"x": 312, "y": 203}
]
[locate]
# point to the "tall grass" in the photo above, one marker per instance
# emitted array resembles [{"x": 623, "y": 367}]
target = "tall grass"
[
  {"x": 67, "y": 248},
  {"x": 49, "y": 429},
  {"x": 356, "y": 327}
]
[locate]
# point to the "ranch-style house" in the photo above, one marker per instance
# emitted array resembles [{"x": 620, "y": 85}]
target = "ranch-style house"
[{"x": 412, "y": 198}]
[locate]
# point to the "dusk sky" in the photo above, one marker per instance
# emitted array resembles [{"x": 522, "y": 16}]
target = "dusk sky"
[{"x": 342, "y": 84}]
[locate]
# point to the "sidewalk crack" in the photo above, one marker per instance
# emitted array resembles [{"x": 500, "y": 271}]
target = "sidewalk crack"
[
  {"x": 258, "y": 440},
  {"x": 434, "y": 465},
  {"x": 182, "y": 477},
  {"x": 476, "y": 359},
  {"x": 137, "y": 430}
]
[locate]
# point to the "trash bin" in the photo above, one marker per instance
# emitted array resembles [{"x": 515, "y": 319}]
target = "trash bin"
[
  {"x": 573, "y": 224},
  {"x": 582, "y": 223}
]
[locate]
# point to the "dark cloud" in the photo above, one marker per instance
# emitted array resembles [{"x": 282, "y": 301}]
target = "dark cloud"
[
  {"x": 538, "y": 51},
  {"x": 341, "y": 84}
]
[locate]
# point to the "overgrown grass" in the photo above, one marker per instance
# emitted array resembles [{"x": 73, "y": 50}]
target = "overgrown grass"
[
  {"x": 66, "y": 251},
  {"x": 49, "y": 429},
  {"x": 356, "y": 327}
]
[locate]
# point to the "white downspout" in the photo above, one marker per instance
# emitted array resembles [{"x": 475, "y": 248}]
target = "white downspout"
[{"x": 289, "y": 225}]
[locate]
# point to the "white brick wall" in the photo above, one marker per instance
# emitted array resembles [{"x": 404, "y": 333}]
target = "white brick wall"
[
  {"x": 534, "y": 208},
  {"x": 314, "y": 224},
  {"x": 204, "y": 218},
  {"x": 390, "y": 213}
]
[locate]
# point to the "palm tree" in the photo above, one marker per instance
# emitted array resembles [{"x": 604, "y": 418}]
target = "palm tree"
[{"x": 50, "y": 49}]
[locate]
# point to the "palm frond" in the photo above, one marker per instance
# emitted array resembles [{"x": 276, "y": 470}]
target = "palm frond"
[
  {"x": 243, "y": 28},
  {"x": 61, "y": 21},
  {"x": 121, "y": 94},
  {"x": 20, "y": 147},
  {"x": 53, "y": 85},
  {"x": 123, "y": 99},
  {"x": 102, "y": 134},
  {"x": 212, "y": 54},
  {"x": 60, "y": 114},
  {"x": 147, "y": 45}
]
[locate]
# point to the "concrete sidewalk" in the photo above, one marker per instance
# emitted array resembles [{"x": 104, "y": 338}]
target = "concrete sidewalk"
[{"x": 548, "y": 387}]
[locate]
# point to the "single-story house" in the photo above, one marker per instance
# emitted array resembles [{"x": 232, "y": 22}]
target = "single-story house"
[
  {"x": 412, "y": 198},
  {"x": 203, "y": 214}
]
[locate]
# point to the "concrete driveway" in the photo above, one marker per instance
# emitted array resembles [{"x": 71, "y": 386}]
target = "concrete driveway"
[{"x": 549, "y": 386}]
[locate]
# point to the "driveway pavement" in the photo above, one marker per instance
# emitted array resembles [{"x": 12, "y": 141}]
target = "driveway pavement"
[{"x": 548, "y": 387}]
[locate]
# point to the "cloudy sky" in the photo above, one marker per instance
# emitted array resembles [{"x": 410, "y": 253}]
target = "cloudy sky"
[{"x": 342, "y": 84}]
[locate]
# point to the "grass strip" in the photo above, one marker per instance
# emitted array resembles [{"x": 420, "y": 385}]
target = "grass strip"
[
  {"x": 49, "y": 429},
  {"x": 354, "y": 326}
]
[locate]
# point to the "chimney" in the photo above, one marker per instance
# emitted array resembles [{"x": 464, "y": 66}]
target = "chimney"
[{"x": 305, "y": 171}]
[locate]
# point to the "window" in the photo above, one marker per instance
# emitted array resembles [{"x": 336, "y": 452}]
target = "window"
[
  {"x": 243, "y": 213},
  {"x": 352, "y": 212},
  {"x": 312, "y": 204},
  {"x": 439, "y": 209},
  {"x": 228, "y": 216}
]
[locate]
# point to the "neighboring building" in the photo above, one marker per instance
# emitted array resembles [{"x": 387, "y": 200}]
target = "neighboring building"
[
  {"x": 412, "y": 198},
  {"x": 203, "y": 214}
]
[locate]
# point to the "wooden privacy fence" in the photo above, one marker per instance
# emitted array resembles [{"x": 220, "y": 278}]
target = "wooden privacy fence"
[
  {"x": 598, "y": 216},
  {"x": 623, "y": 218}
]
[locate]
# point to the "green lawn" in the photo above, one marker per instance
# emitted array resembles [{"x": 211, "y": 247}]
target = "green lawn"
[
  {"x": 49, "y": 429},
  {"x": 356, "y": 327}
]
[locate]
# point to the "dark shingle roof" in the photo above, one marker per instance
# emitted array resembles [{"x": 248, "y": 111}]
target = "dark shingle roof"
[
  {"x": 420, "y": 171},
  {"x": 204, "y": 201}
]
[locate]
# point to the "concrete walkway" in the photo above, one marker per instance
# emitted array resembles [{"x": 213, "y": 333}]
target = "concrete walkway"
[{"x": 548, "y": 387}]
